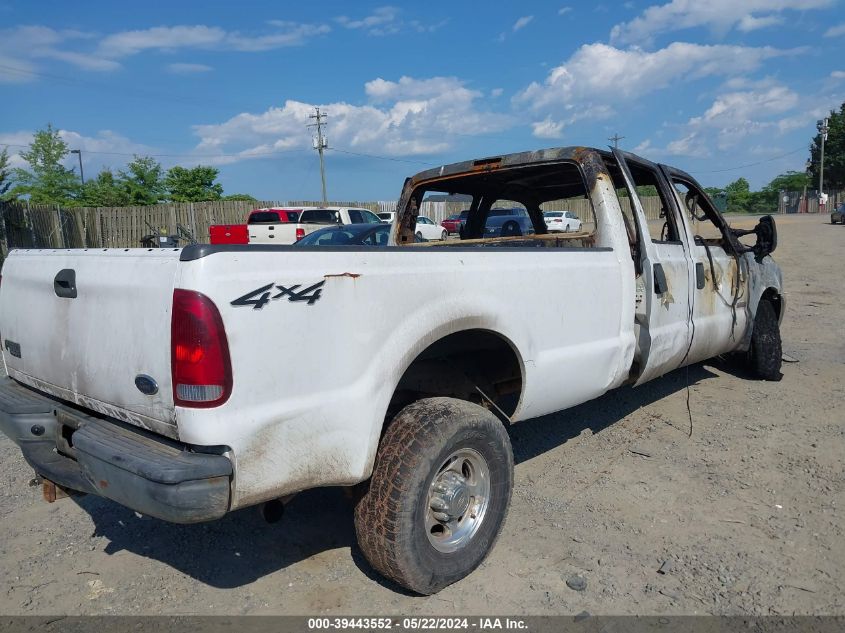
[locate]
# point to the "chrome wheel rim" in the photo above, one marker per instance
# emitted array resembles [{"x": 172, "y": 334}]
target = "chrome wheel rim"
[{"x": 457, "y": 500}]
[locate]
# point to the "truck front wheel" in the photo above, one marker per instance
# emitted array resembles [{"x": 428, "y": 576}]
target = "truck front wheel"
[
  {"x": 439, "y": 494},
  {"x": 765, "y": 354}
]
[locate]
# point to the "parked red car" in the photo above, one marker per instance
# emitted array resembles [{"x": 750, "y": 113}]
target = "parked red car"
[
  {"x": 239, "y": 233},
  {"x": 454, "y": 223},
  {"x": 228, "y": 234}
]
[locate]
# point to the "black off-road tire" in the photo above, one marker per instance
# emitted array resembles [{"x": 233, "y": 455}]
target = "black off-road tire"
[
  {"x": 765, "y": 355},
  {"x": 390, "y": 517}
]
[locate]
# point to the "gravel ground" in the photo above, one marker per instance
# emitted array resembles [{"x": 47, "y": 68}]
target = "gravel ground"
[{"x": 743, "y": 517}]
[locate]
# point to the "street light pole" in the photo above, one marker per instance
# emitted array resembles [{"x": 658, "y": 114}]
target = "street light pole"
[
  {"x": 823, "y": 130},
  {"x": 78, "y": 152}
]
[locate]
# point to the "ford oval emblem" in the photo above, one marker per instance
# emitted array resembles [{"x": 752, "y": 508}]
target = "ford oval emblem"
[{"x": 146, "y": 384}]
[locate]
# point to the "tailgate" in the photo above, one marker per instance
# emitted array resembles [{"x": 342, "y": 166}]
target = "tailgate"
[
  {"x": 89, "y": 348},
  {"x": 281, "y": 233}
]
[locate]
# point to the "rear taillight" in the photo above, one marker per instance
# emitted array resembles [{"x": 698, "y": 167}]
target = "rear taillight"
[
  {"x": 557, "y": 220},
  {"x": 199, "y": 352},
  {"x": 300, "y": 233}
]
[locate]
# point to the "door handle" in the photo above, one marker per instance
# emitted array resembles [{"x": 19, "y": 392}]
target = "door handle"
[
  {"x": 699, "y": 275},
  {"x": 64, "y": 284},
  {"x": 660, "y": 285}
]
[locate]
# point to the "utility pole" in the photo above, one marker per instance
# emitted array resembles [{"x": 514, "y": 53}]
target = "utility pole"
[
  {"x": 78, "y": 152},
  {"x": 320, "y": 143},
  {"x": 823, "y": 130},
  {"x": 615, "y": 138}
]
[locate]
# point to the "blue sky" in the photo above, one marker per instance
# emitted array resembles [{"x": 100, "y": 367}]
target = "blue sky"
[{"x": 722, "y": 88}]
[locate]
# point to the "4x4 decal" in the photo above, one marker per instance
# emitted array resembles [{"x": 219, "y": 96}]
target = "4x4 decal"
[{"x": 259, "y": 297}]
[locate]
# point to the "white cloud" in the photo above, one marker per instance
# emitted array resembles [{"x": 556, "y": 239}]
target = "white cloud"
[
  {"x": 15, "y": 143},
  {"x": 382, "y": 21},
  {"x": 734, "y": 117},
  {"x": 643, "y": 147},
  {"x": 522, "y": 22},
  {"x": 564, "y": 10},
  {"x": 188, "y": 69},
  {"x": 599, "y": 74},
  {"x": 497, "y": 92},
  {"x": 105, "y": 143},
  {"x": 837, "y": 74},
  {"x": 380, "y": 90},
  {"x": 170, "y": 38},
  {"x": 547, "y": 128},
  {"x": 161, "y": 37},
  {"x": 835, "y": 31},
  {"x": 289, "y": 34},
  {"x": 22, "y": 46},
  {"x": 750, "y": 23},
  {"x": 718, "y": 15},
  {"x": 689, "y": 145},
  {"x": 405, "y": 117},
  {"x": 423, "y": 27}
]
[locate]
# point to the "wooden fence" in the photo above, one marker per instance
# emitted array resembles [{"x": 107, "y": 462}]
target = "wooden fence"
[{"x": 30, "y": 226}]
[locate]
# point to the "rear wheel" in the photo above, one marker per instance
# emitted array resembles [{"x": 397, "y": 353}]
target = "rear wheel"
[
  {"x": 444, "y": 235},
  {"x": 765, "y": 355},
  {"x": 439, "y": 494},
  {"x": 419, "y": 236}
]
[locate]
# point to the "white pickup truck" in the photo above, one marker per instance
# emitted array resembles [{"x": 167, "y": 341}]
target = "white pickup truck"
[
  {"x": 168, "y": 381},
  {"x": 266, "y": 227}
]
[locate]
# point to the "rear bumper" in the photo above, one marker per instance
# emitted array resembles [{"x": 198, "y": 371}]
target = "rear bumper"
[{"x": 139, "y": 470}]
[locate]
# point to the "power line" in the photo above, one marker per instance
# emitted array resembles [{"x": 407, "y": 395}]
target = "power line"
[
  {"x": 395, "y": 160},
  {"x": 759, "y": 162},
  {"x": 615, "y": 138}
]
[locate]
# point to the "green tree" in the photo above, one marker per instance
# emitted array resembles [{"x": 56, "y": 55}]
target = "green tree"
[
  {"x": 48, "y": 181},
  {"x": 142, "y": 181},
  {"x": 240, "y": 196},
  {"x": 5, "y": 175},
  {"x": 103, "y": 191},
  {"x": 739, "y": 196},
  {"x": 834, "y": 153},
  {"x": 193, "y": 185},
  {"x": 790, "y": 181}
]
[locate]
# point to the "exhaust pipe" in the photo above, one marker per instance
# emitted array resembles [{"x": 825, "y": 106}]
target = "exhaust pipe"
[{"x": 273, "y": 511}]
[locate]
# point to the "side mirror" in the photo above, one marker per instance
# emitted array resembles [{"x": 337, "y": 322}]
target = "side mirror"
[{"x": 767, "y": 237}]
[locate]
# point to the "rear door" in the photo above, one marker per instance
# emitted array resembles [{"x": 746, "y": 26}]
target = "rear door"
[
  {"x": 665, "y": 336},
  {"x": 85, "y": 324}
]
